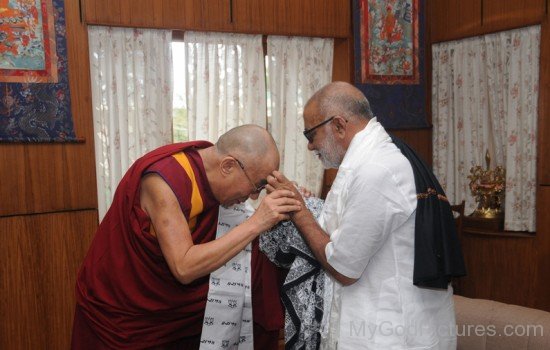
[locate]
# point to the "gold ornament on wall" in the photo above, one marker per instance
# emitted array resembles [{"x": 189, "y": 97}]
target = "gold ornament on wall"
[{"x": 487, "y": 187}]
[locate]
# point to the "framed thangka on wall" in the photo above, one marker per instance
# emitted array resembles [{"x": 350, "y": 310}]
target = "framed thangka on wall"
[
  {"x": 34, "y": 82},
  {"x": 389, "y": 41},
  {"x": 389, "y": 59}
]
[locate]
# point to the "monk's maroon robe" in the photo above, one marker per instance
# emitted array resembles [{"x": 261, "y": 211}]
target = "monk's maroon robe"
[{"x": 127, "y": 298}]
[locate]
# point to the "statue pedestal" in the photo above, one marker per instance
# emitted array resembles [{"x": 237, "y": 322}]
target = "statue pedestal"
[{"x": 484, "y": 224}]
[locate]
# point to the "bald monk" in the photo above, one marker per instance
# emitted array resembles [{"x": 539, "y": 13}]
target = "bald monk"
[{"x": 144, "y": 281}]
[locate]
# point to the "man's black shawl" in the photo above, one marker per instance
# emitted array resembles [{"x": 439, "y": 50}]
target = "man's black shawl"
[{"x": 437, "y": 252}]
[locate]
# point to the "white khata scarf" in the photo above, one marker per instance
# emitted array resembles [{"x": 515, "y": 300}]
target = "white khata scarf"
[{"x": 228, "y": 316}]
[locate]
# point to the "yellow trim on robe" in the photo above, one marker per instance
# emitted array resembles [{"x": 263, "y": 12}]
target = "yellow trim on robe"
[{"x": 197, "y": 204}]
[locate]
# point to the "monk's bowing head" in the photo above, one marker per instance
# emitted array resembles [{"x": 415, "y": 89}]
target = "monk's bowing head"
[{"x": 248, "y": 154}]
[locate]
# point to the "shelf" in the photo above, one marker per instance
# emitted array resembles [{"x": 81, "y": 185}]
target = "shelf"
[
  {"x": 508, "y": 234},
  {"x": 490, "y": 227}
]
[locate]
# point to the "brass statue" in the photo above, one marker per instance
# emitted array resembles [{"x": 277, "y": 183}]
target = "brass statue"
[{"x": 487, "y": 187}]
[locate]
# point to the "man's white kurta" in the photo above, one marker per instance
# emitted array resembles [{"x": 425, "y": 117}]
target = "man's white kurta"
[{"x": 369, "y": 214}]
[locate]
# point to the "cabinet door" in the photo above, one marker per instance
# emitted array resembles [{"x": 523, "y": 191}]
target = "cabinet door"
[
  {"x": 507, "y": 14},
  {"x": 454, "y": 19},
  {"x": 321, "y": 18}
]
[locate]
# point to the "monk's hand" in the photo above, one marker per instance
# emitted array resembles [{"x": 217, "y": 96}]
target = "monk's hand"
[{"x": 275, "y": 207}]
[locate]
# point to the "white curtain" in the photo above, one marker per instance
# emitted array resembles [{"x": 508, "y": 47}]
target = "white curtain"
[
  {"x": 484, "y": 96},
  {"x": 297, "y": 67},
  {"x": 131, "y": 75},
  {"x": 225, "y": 83}
]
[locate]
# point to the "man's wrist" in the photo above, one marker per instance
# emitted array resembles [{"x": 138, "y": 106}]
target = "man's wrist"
[{"x": 302, "y": 217}]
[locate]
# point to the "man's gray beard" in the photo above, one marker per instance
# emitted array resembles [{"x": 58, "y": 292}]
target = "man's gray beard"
[{"x": 332, "y": 153}]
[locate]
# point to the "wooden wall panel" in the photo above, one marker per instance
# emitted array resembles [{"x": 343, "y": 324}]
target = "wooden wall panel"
[
  {"x": 51, "y": 177},
  {"x": 327, "y": 18},
  {"x": 41, "y": 255},
  {"x": 138, "y": 12},
  {"x": 453, "y": 19},
  {"x": 46, "y": 177},
  {"x": 419, "y": 139},
  {"x": 324, "y": 18},
  {"x": 88, "y": 10},
  {"x": 102, "y": 11},
  {"x": 506, "y": 14},
  {"x": 499, "y": 268},
  {"x": 216, "y": 15},
  {"x": 170, "y": 11},
  {"x": 247, "y": 15},
  {"x": 544, "y": 106},
  {"x": 457, "y": 19},
  {"x": 541, "y": 281},
  {"x": 342, "y": 67}
]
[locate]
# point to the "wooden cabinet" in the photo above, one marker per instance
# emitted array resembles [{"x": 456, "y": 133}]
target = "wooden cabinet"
[{"x": 322, "y": 18}]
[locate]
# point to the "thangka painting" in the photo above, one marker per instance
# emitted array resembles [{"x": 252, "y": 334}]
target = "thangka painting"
[
  {"x": 34, "y": 82},
  {"x": 389, "y": 37},
  {"x": 27, "y": 42},
  {"x": 389, "y": 41}
]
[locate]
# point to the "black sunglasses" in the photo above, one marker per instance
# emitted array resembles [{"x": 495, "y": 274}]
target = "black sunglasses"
[{"x": 307, "y": 132}]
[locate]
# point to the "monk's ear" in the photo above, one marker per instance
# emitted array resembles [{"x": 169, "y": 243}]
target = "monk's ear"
[{"x": 227, "y": 165}]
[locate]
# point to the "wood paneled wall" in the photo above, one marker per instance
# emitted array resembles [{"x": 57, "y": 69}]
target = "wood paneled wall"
[
  {"x": 321, "y": 18},
  {"x": 500, "y": 268},
  {"x": 541, "y": 283},
  {"x": 504, "y": 268},
  {"x": 457, "y": 19},
  {"x": 39, "y": 178},
  {"x": 48, "y": 214},
  {"x": 41, "y": 255},
  {"x": 49, "y": 177},
  {"x": 544, "y": 106}
]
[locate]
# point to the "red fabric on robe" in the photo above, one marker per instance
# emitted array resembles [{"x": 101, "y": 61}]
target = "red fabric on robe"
[{"x": 125, "y": 291}]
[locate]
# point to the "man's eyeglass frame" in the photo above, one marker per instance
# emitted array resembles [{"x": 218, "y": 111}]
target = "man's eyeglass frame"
[{"x": 307, "y": 132}]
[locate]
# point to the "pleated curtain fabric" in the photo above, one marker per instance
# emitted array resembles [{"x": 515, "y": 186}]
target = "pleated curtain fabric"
[
  {"x": 297, "y": 68},
  {"x": 225, "y": 83},
  {"x": 131, "y": 77},
  {"x": 485, "y": 96}
]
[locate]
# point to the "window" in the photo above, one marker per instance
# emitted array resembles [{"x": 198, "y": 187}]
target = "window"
[{"x": 180, "y": 126}]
